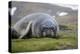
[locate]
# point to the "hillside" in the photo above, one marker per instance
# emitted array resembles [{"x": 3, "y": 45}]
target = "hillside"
[{"x": 25, "y": 8}]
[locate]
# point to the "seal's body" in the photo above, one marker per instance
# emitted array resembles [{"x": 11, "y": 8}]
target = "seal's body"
[{"x": 40, "y": 24}]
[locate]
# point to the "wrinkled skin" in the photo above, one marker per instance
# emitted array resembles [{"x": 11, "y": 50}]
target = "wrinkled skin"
[{"x": 40, "y": 24}]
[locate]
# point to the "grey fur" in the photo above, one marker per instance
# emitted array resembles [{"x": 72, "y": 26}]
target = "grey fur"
[{"x": 37, "y": 21}]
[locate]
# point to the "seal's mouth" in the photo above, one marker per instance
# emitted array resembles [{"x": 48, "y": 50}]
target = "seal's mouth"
[{"x": 48, "y": 31}]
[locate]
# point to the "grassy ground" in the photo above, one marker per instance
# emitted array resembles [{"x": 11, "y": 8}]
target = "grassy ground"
[{"x": 67, "y": 40}]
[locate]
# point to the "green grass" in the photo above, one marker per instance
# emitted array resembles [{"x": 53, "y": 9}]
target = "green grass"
[{"x": 66, "y": 40}]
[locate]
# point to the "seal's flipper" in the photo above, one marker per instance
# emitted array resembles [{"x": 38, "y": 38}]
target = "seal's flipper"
[{"x": 27, "y": 30}]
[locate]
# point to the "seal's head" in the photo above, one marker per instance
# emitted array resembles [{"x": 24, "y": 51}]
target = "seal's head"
[{"x": 48, "y": 28}]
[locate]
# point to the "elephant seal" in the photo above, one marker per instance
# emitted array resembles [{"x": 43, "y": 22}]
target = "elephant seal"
[{"x": 40, "y": 24}]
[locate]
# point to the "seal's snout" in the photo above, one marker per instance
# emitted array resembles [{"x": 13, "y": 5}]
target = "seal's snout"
[{"x": 48, "y": 30}]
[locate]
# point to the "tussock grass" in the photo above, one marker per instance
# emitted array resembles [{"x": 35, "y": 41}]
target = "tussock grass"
[{"x": 66, "y": 40}]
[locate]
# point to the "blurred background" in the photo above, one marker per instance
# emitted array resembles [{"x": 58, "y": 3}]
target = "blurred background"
[{"x": 63, "y": 13}]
